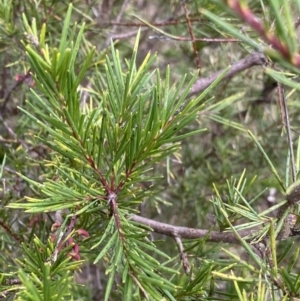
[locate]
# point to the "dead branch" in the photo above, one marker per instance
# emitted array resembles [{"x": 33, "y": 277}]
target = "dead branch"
[
  {"x": 191, "y": 233},
  {"x": 253, "y": 59}
]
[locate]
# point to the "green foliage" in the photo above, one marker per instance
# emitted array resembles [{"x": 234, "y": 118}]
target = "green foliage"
[
  {"x": 98, "y": 133},
  {"x": 104, "y": 149},
  {"x": 49, "y": 271},
  {"x": 277, "y": 35}
]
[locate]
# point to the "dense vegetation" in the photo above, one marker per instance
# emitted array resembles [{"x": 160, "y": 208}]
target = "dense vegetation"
[{"x": 149, "y": 150}]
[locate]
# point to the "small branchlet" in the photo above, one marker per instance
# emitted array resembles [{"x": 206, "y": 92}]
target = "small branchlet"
[{"x": 293, "y": 198}]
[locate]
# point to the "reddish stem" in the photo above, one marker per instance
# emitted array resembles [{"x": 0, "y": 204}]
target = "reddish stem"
[
  {"x": 8, "y": 230},
  {"x": 195, "y": 48}
]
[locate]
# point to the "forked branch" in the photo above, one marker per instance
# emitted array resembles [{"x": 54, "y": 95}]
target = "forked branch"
[{"x": 191, "y": 233}]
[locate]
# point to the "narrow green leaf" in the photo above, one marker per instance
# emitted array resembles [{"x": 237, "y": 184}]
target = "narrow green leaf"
[
  {"x": 63, "y": 67},
  {"x": 286, "y": 277},
  {"x": 109, "y": 284},
  {"x": 293, "y": 260},
  {"x": 285, "y": 30},
  {"x": 108, "y": 245},
  {"x": 2, "y": 166},
  {"x": 127, "y": 295},
  {"x": 181, "y": 137},
  {"x": 243, "y": 242},
  {"x": 159, "y": 282},
  {"x": 63, "y": 38},
  {"x": 151, "y": 247},
  {"x": 81, "y": 74},
  {"x": 273, "y": 249},
  {"x": 46, "y": 282},
  {"x": 42, "y": 36},
  {"x": 234, "y": 31},
  {"x": 39, "y": 61},
  {"x": 268, "y": 160},
  {"x": 31, "y": 289},
  {"x": 283, "y": 78}
]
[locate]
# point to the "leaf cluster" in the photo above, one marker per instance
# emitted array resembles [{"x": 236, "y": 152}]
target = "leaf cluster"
[
  {"x": 103, "y": 148},
  {"x": 110, "y": 127}
]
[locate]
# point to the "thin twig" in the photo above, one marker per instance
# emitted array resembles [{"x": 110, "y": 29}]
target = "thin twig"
[
  {"x": 179, "y": 38},
  {"x": 4, "y": 78},
  {"x": 121, "y": 12},
  {"x": 71, "y": 226},
  {"x": 141, "y": 287},
  {"x": 288, "y": 129},
  {"x": 141, "y": 24},
  {"x": 126, "y": 35},
  {"x": 62, "y": 233},
  {"x": 183, "y": 256},
  {"x": 112, "y": 201},
  {"x": 248, "y": 16},
  {"x": 191, "y": 32},
  {"x": 118, "y": 19},
  {"x": 9, "y": 231},
  {"x": 8, "y": 128},
  {"x": 12, "y": 88}
]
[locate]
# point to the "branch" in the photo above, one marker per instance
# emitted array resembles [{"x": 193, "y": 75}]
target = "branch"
[
  {"x": 194, "y": 44},
  {"x": 119, "y": 17},
  {"x": 183, "y": 255},
  {"x": 19, "y": 81},
  {"x": 10, "y": 232},
  {"x": 273, "y": 39},
  {"x": 191, "y": 233},
  {"x": 253, "y": 59}
]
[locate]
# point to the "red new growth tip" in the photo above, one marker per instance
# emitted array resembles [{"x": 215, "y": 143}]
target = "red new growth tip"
[
  {"x": 83, "y": 232},
  {"x": 296, "y": 60}
]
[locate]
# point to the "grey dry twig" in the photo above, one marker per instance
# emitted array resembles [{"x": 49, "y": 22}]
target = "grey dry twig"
[{"x": 253, "y": 59}]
